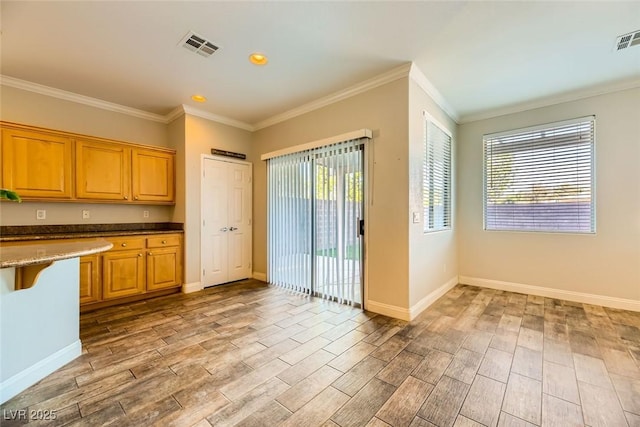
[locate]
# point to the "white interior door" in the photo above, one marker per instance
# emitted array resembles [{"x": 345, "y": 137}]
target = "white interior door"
[{"x": 226, "y": 221}]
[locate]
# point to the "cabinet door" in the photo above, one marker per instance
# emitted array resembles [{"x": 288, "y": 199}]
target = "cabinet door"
[
  {"x": 164, "y": 268},
  {"x": 153, "y": 176},
  {"x": 123, "y": 273},
  {"x": 103, "y": 170},
  {"x": 90, "y": 279},
  {"x": 37, "y": 165}
]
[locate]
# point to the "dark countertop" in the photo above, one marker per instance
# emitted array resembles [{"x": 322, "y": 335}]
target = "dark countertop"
[
  {"x": 78, "y": 231},
  {"x": 39, "y": 253}
]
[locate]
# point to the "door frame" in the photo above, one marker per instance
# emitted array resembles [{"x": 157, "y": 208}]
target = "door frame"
[{"x": 203, "y": 158}]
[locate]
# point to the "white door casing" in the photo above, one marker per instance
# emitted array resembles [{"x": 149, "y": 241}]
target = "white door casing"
[{"x": 226, "y": 221}]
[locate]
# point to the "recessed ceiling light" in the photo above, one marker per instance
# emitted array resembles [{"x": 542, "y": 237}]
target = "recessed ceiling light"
[
  {"x": 198, "y": 98},
  {"x": 258, "y": 59}
]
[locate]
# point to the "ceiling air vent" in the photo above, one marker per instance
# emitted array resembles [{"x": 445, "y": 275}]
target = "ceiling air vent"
[
  {"x": 627, "y": 40},
  {"x": 198, "y": 44}
]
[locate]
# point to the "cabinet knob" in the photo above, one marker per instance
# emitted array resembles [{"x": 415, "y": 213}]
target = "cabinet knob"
[
  {"x": 150, "y": 254},
  {"x": 164, "y": 242},
  {"x": 124, "y": 245},
  {"x": 136, "y": 197},
  {"x": 126, "y": 197},
  {"x": 139, "y": 254}
]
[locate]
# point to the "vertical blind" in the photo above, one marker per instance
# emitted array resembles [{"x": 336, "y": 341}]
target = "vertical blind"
[
  {"x": 541, "y": 179},
  {"x": 436, "y": 178},
  {"x": 315, "y": 201}
]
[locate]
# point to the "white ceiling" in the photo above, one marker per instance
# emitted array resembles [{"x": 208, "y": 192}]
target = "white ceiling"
[{"x": 481, "y": 56}]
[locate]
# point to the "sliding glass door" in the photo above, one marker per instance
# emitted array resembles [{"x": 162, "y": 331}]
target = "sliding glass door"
[{"x": 315, "y": 209}]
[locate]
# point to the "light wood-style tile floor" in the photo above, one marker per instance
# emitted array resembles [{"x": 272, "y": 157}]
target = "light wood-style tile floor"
[{"x": 254, "y": 355}]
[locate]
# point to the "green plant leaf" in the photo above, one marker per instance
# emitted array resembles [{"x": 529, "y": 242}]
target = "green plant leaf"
[{"x": 9, "y": 195}]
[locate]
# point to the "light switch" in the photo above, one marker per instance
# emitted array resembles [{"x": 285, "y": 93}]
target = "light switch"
[
  {"x": 416, "y": 217},
  {"x": 41, "y": 214}
]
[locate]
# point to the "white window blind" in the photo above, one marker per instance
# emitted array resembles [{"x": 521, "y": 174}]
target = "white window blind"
[
  {"x": 436, "y": 178},
  {"x": 541, "y": 179}
]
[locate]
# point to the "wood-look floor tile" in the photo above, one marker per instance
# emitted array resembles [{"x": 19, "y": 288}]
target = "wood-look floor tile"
[
  {"x": 405, "y": 402},
  {"x": 628, "y": 390},
  {"x": 464, "y": 366},
  {"x": 109, "y": 415},
  {"x": 600, "y": 406},
  {"x": 463, "y": 421},
  {"x": 531, "y": 339},
  {"x": 560, "y": 413},
  {"x": 591, "y": 371},
  {"x": 523, "y": 398},
  {"x": 508, "y": 420},
  {"x": 353, "y": 355},
  {"x": 363, "y": 406},
  {"x": 304, "y": 350},
  {"x": 432, "y": 366},
  {"x": 271, "y": 353},
  {"x": 510, "y": 323},
  {"x": 560, "y": 381},
  {"x": 306, "y": 367},
  {"x": 283, "y": 334},
  {"x": 373, "y": 422},
  {"x": 301, "y": 393},
  {"x": 254, "y": 378},
  {"x": 632, "y": 419},
  {"x": 399, "y": 368},
  {"x": 505, "y": 341},
  {"x": 345, "y": 342},
  {"x": 270, "y": 415},
  {"x": 527, "y": 362},
  {"x": 584, "y": 343},
  {"x": 355, "y": 378},
  {"x": 151, "y": 413},
  {"x": 249, "y": 403},
  {"x": 318, "y": 410},
  {"x": 443, "y": 404},
  {"x": 621, "y": 363},
  {"x": 478, "y": 341},
  {"x": 484, "y": 400},
  {"x": 391, "y": 348},
  {"x": 496, "y": 364}
]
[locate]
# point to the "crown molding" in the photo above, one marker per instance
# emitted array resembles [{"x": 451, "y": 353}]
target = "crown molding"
[
  {"x": 79, "y": 99},
  {"x": 425, "y": 84},
  {"x": 379, "y": 80},
  {"x": 174, "y": 114},
  {"x": 187, "y": 109},
  {"x": 552, "y": 100}
]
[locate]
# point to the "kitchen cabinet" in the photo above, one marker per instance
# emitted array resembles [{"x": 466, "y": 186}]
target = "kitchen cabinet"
[
  {"x": 36, "y": 164},
  {"x": 123, "y": 273},
  {"x": 103, "y": 170},
  {"x": 90, "y": 283},
  {"x": 44, "y": 164},
  {"x": 152, "y": 175}
]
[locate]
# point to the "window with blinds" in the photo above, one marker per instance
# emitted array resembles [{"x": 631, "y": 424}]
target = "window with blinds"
[
  {"x": 541, "y": 178},
  {"x": 436, "y": 178}
]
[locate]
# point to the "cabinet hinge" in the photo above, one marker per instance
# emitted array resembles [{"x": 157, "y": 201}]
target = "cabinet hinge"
[{"x": 203, "y": 272}]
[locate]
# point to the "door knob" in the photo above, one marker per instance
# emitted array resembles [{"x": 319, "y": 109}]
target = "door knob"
[
  {"x": 224, "y": 229},
  {"x": 233, "y": 228}
]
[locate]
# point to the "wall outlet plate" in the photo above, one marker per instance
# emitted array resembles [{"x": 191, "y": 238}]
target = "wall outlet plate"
[
  {"x": 86, "y": 214},
  {"x": 145, "y": 214},
  {"x": 41, "y": 214}
]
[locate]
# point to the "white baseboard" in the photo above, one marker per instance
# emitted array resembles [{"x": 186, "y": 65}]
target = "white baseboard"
[
  {"x": 188, "y": 288},
  {"x": 259, "y": 276},
  {"x": 411, "y": 313},
  {"x": 425, "y": 302},
  {"x": 28, "y": 377},
  {"x": 388, "y": 310},
  {"x": 621, "y": 303}
]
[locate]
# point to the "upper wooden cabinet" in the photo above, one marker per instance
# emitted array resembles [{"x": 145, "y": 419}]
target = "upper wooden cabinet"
[
  {"x": 37, "y": 164},
  {"x": 103, "y": 170},
  {"x": 152, "y": 175},
  {"x": 43, "y": 164}
]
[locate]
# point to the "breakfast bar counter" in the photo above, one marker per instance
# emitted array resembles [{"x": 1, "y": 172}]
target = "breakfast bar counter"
[{"x": 39, "y": 310}]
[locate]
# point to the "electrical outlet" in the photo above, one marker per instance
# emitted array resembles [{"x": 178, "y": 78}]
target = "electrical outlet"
[
  {"x": 41, "y": 214},
  {"x": 86, "y": 214},
  {"x": 145, "y": 214}
]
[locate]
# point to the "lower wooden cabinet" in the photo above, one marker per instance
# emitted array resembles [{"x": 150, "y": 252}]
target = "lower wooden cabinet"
[
  {"x": 123, "y": 274},
  {"x": 90, "y": 289},
  {"x": 134, "y": 267}
]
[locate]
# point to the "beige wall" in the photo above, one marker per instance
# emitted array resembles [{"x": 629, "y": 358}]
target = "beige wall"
[
  {"x": 201, "y": 136},
  {"x": 384, "y": 111},
  {"x": 30, "y": 108},
  {"x": 433, "y": 258},
  {"x": 607, "y": 263}
]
